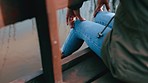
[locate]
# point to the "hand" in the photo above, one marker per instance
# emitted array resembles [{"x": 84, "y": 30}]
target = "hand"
[
  {"x": 100, "y": 4},
  {"x": 78, "y": 15},
  {"x": 72, "y": 15},
  {"x": 70, "y": 18}
]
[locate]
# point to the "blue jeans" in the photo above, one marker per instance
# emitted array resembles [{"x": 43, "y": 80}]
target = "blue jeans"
[{"x": 88, "y": 31}]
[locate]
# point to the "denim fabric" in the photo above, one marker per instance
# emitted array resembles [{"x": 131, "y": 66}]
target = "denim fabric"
[{"x": 87, "y": 31}]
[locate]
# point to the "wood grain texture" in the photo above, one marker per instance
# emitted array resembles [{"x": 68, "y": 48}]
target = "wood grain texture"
[
  {"x": 55, "y": 45},
  {"x": 1, "y": 18},
  {"x": 60, "y": 4}
]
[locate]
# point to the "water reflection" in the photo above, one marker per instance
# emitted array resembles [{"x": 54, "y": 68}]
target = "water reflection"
[{"x": 19, "y": 51}]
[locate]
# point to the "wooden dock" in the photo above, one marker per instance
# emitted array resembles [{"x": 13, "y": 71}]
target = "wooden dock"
[{"x": 81, "y": 67}]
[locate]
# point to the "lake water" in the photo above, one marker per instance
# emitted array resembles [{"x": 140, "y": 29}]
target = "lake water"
[{"x": 19, "y": 46}]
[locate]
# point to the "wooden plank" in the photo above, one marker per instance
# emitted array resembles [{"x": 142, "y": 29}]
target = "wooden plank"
[
  {"x": 84, "y": 71},
  {"x": 44, "y": 41},
  {"x": 37, "y": 76},
  {"x": 76, "y": 58},
  {"x": 107, "y": 78},
  {"x": 76, "y": 55},
  {"x": 17, "y": 10},
  {"x": 61, "y": 4},
  {"x": 53, "y": 32},
  {"x": 1, "y": 18}
]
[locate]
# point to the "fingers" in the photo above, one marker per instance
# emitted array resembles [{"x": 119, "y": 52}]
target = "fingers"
[
  {"x": 78, "y": 15},
  {"x": 67, "y": 20},
  {"x": 72, "y": 16},
  {"x": 98, "y": 9},
  {"x": 71, "y": 21},
  {"x": 69, "y": 17},
  {"x": 107, "y": 6},
  {"x": 100, "y": 4}
]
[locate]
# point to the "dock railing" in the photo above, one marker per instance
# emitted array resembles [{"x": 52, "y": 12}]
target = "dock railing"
[{"x": 45, "y": 13}]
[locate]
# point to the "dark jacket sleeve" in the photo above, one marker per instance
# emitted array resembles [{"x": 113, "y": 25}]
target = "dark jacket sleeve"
[{"x": 75, "y": 4}]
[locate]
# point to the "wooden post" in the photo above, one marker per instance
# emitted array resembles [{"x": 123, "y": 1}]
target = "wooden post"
[
  {"x": 45, "y": 13},
  {"x": 61, "y": 4},
  {"x": 1, "y": 18},
  {"x": 53, "y": 31}
]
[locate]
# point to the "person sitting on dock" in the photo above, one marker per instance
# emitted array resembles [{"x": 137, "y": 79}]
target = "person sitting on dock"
[{"x": 123, "y": 44}]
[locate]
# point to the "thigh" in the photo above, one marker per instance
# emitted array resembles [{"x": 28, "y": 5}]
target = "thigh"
[
  {"x": 88, "y": 31},
  {"x": 104, "y": 17}
]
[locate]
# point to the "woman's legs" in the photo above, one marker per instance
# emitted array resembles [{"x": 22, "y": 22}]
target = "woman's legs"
[
  {"x": 86, "y": 31},
  {"x": 71, "y": 44}
]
